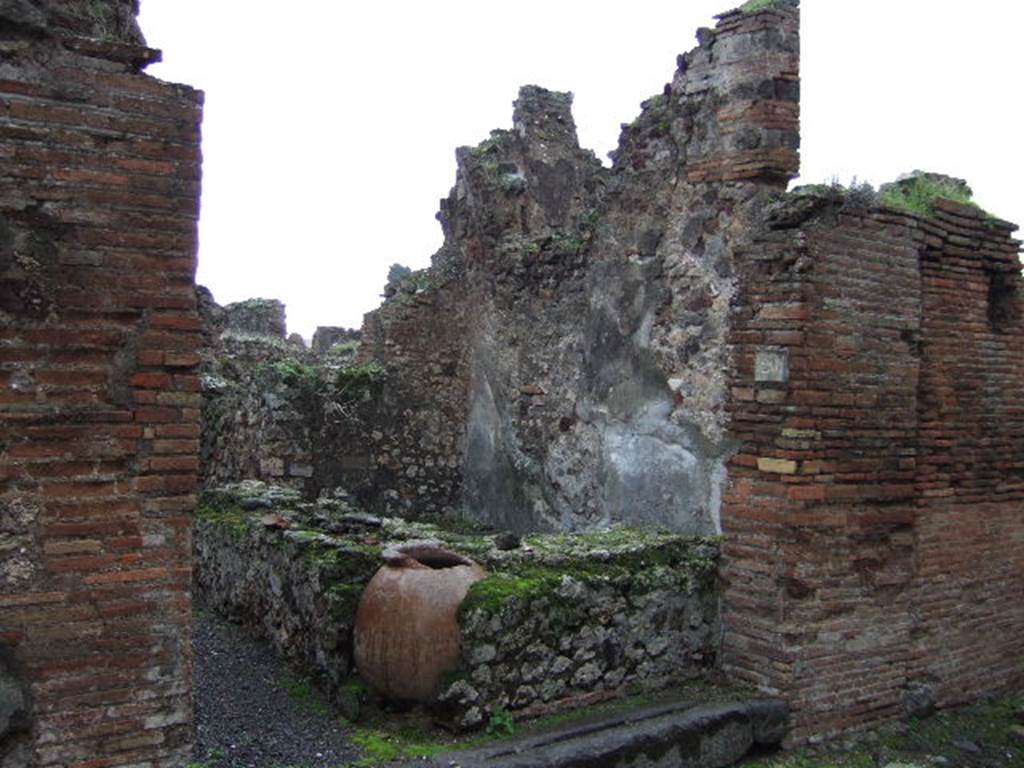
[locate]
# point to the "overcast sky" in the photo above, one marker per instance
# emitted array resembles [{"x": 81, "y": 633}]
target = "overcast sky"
[{"x": 330, "y": 130}]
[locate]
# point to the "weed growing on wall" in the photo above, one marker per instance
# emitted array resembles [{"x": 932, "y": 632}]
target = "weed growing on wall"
[
  {"x": 759, "y": 5},
  {"x": 919, "y": 193}
]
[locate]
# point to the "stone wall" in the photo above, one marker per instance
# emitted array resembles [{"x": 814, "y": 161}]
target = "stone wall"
[
  {"x": 571, "y": 330},
  {"x": 327, "y": 417},
  {"x": 561, "y": 365},
  {"x": 674, "y": 342},
  {"x": 259, "y": 396},
  {"x": 560, "y": 621},
  {"x": 632, "y": 618},
  {"x": 293, "y": 589},
  {"x": 873, "y": 513},
  {"x": 99, "y": 409}
]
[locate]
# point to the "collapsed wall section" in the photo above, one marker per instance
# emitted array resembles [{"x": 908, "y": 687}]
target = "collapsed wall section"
[
  {"x": 99, "y": 409},
  {"x": 334, "y": 416},
  {"x": 585, "y": 309},
  {"x": 561, "y": 364},
  {"x": 873, "y": 514}
]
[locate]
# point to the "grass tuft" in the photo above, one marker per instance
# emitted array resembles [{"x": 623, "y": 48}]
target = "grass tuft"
[
  {"x": 759, "y": 5},
  {"x": 918, "y": 193}
]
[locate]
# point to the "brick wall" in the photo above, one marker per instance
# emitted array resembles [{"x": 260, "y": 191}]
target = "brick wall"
[
  {"x": 873, "y": 515},
  {"x": 969, "y": 637},
  {"x": 99, "y": 404},
  {"x": 751, "y": 62}
]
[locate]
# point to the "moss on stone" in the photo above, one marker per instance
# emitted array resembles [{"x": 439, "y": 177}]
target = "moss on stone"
[
  {"x": 937, "y": 740},
  {"x": 918, "y": 193},
  {"x": 293, "y": 372},
  {"x": 341, "y": 566},
  {"x": 633, "y": 549},
  {"x": 497, "y": 590},
  {"x": 354, "y": 382},
  {"x": 343, "y": 600},
  {"x": 752, "y": 6},
  {"x": 645, "y": 558},
  {"x": 219, "y": 510}
]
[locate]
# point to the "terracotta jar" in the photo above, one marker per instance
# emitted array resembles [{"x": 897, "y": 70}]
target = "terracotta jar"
[{"x": 406, "y": 633}]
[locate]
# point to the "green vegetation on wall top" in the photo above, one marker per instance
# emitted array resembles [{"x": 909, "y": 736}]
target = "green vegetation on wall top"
[
  {"x": 759, "y": 5},
  {"x": 918, "y": 193}
]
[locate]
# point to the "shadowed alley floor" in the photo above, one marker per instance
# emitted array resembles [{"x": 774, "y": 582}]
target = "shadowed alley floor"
[{"x": 250, "y": 713}]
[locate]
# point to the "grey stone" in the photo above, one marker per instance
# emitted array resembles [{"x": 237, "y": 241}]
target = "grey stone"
[
  {"x": 771, "y": 365},
  {"x": 709, "y": 736},
  {"x": 361, "y": 519},
  {"x": 15, "y": 707},
  {"x": 326, "y": 337},
  {"x": 256, "y": 317},
  {"x": 586, "y": 676},
  {"x": 918, "y": 700},
  {"x": 255, "y": 503},
  {"x": 23, "y": 13},
  {"x": 482, "y": 654},
  {"x": 506, "y": 541}
]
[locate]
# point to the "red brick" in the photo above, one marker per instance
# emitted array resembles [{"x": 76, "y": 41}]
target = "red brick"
[
  {"x": 807, "y": 493},
  {"x": 145, "y": 574},
  {"x": 151, "y": 380}
]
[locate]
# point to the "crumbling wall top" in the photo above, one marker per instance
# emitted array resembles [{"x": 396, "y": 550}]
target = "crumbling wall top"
[{"x": 111, "y": 21}]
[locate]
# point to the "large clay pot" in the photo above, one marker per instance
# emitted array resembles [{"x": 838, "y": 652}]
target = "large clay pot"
[{"x": 406, "y": 633}]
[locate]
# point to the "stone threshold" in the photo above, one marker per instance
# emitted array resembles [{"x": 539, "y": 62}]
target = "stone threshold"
[{"x": 679, "y": 733}]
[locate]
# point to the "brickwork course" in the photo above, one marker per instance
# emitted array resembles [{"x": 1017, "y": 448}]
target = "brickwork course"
[
  {"x": 875, "y": 535},
  {"x": 99, "y": 407},
  {"x": 832, "y": 383}
]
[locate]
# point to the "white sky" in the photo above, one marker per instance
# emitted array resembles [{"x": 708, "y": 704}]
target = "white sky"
[{"x": 329, "y": 132}]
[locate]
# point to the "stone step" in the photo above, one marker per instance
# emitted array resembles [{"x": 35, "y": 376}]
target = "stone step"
[{"x": 680, "y": 733}]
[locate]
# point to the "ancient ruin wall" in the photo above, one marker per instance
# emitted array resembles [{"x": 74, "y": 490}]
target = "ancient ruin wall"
[
  {"x": 562, "y": 621},
  {"x": 596, "y": 345},
  {"x": 584, "y": 309},
  {"x": 562, "y": 363},
  {"x": 99, "y": 410},
  {"x": 873, "y": 516}
]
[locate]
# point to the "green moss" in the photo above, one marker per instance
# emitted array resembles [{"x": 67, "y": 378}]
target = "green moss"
[
  {"x": 487, "y": 146},
  {"x": 356, "y": 381},
  {"x": 392, "y": 736},
  {"x": 301, "y": 691},
  {"x": 418, "y": 280},
  {"x": 632, "y": 549},
  {"x": 501, "y": 723},
  {"x": 292, "y": 371},
  {"x": 921, "y": 741},
  {"x": 759, "y": 5},
  {"x": 497, "y": 590},
  {"x": 345, "y": 348},
  {"x": 383, "y": 747},
  {"x": 356, "y": 688},
  {"x": 919, "y": 193},
  {"x": 343, "y": 600},
  {"x": 222, "y": 511},
  {"x": 212, "y": 760},
  {"x": 338, "y": 568},
  {"x": 565, "y": 245},
  {"x": 640, "y": 556}
]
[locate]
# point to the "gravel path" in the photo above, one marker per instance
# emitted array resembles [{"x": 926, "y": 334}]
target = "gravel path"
[{"x": 250, "y": 714}]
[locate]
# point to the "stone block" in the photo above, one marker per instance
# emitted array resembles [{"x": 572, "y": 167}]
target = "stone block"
[{"x": 776, "y": 466}]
